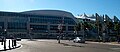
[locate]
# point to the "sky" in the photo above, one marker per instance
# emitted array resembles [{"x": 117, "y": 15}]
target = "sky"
[{"x": 109, "y": 7}]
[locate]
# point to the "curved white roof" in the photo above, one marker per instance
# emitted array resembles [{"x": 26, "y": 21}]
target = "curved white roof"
[
  {"x": 84, "y": 16},
  {"x": 49, "y": 13},
  {"x": 58, "y": 13}
]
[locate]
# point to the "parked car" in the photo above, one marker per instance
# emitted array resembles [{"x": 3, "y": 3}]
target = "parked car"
[{"x": 79, "y": 40}]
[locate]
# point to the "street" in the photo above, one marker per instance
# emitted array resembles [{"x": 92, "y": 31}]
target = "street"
[{"x": 65, "y": 46}]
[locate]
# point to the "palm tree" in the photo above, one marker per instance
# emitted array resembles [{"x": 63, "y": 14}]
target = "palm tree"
[
  {"x": 77, "y": 27},
  {"x": 117, "y": 28},
  {"x": 89, "y": 25}
]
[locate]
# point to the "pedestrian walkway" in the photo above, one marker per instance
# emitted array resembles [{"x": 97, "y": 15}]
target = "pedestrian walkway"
[
  {"x": 8, "y": 47},
  {"x": 109, "y": 43},
  {"x": 66, "y": 42}
]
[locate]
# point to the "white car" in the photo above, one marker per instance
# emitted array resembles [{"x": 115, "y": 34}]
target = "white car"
[{"x": 79, "y": 40}]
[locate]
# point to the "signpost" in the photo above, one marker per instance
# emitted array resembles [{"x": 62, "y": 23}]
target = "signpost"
[
  {"x": 30, "y": 32},
  {"x": 60, "y": 30}
]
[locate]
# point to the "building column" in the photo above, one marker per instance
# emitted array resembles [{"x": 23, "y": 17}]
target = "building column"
[
  {"x": 28, "y": 26},
  {"x": 48, "y": 27},
  {"x": 67, "y": 28},
  {"x": 5, "y": 26},
  {"x": 28, "y": 23},
  {"x": 5, "y": 23}
]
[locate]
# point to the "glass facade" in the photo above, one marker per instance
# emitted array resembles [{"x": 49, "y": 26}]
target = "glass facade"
[
  {"x": 17, "y": 24},
  {"x": 69, "y": 21},
  {"x": 54, "y": 27},
  {"x": 38, "y": 28},
  {"x": 71, "y": 28},
  {"x": 1, "y": 25},
  {"x": 52, "y": 20},
  {"x": 38, "y": 20},
  {"x": 18, "y": 19}
]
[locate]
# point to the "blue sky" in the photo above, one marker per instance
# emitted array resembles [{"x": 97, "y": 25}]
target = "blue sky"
[{"x": 110, "y": 7}]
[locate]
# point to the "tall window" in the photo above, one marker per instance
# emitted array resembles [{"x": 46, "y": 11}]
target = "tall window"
[
  {"x": 17, "y": 25},
  {"x": 70, "y": 28},
  {"x": 39, "y": 28},
  {"x": 1, "y": 25},
  {"x": 54, "y": 27}
]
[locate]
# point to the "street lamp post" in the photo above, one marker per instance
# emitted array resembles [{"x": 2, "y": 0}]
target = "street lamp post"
[
  {"x": 5, "y": 39},
  {"x": 0, "y": 30},
  {"x": 82, "y": 27},
  {"x": 60, "y": 29},
  {"x": 5, "y": 32}
]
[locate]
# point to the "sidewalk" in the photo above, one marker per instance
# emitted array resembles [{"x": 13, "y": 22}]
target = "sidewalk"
[
  {"x": 109, "y": 43},
  {"x": 70, "y": 43},
  {"x": 7, "y": 45}
]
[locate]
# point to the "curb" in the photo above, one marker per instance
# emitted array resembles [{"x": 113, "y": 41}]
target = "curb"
[{"x": 105, "y": 43}]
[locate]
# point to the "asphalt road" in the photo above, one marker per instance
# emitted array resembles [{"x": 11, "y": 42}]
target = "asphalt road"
[{"x": 65, "y": 46}]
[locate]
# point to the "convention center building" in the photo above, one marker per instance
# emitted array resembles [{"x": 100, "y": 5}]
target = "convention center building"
[{"x": 36, "y": 23}]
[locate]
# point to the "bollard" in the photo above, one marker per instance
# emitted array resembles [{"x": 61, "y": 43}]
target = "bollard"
[
  {"x": 12, "y": 44},
  {"x": 9, "y": 44},
  {"x": 59, "y": 40},
  {"x": 4, "y": 44},
  {"x": 2, "y": 41},
  {"x": 15, "y": 42}
]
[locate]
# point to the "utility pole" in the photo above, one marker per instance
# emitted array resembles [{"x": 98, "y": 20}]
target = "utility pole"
[
  {"x": 60, "y": 30},
  {"x": 30, "y": 33},
  {"x": 0, "y": 30},
  {"x": 97, "y": 23}
]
